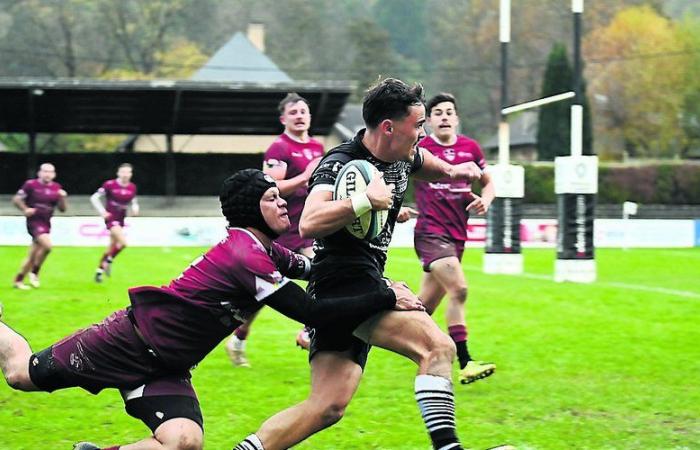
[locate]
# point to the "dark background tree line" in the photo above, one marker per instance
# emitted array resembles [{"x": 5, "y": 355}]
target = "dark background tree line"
[{"x": 641, "y": 55}]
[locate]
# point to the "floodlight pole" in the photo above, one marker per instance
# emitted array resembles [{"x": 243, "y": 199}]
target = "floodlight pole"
[
  {"x": 503, "y": 129},
  {"x": 576, "y": 186},
  {"x": 503, "y": 217}
]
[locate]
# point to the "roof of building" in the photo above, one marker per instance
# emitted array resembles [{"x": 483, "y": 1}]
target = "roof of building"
[
  {"x": 240, "y": 61},
  {"x": 160, "y": 106}
]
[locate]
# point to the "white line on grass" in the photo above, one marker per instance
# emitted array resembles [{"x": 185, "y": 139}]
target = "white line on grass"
[{"x": 537, "y": 276}]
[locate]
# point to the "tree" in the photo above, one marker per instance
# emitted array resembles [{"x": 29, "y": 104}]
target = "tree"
[
  {"x": 142, "y": 29},
  {"x": 405, "y": 21},
  {"x": 554, "y": 125},
  {"x": 372, "y": 55},
  {"x": 689, "y": 35},
  {"x": 636, "y": 68}
]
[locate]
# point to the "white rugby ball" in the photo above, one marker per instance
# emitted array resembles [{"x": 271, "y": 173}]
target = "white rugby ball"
[{"x": 354, "y": 177}]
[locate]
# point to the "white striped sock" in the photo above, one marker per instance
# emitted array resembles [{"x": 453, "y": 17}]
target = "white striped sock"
[
  {"x": 436, "y": 402},
  {"x": 252, "y": 442}
]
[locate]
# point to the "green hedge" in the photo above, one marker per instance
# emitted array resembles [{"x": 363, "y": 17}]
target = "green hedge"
[{"x": 672, "y": 184}]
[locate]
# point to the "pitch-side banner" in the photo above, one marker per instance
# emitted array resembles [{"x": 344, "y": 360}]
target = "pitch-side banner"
[
  {"x": 205, "y": 231},
  {"x": 140, "y": 231},
  {"x": 575, "y": 236},
  {"x": 503, "y": 236}
]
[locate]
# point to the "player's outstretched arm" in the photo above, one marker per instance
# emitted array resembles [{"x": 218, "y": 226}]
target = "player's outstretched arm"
[
  {"x": 434, "y": 169},
  {"x": 480, "y": 204},
  {"x": 295, "y": 303}
]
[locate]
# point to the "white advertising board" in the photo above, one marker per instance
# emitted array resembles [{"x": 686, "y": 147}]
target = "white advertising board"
[{"x": 205, "y": 231}]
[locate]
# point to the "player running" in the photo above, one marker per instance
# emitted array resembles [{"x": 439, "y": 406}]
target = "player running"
[
  {"x": 290, "y": 160},
  {"x": 343, "y": 265},
  {"x": 37, "y": 199},
  {"x": 120, "y": 193},
  {"x": 146, "y": 350},
  {"x": 441, "y": 228}
]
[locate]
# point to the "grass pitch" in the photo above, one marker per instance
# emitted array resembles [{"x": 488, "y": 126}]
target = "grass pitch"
[{"x": 611, "y": 365}]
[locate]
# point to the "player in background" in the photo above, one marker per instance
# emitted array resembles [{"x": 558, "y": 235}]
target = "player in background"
[
  {"x": 343, "y": 265},
  {"x": 147, "y": 350},
  {"x": 290, "y": 160},
  {"x": 37, "y": 199},
  {"x": 119, "y": 194},
  {"x": 441, "y": 228}
]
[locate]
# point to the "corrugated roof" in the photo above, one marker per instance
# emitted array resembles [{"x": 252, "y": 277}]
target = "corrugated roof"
[
  {"x": 160, "y": 106},
  {"x": 239, "y": 61}
]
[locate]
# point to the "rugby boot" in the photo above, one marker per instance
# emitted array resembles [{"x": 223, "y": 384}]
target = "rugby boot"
[
  {"x": 20, "y": 285},
  {"x": 85, "y": 446},
  {"x": 34, "y": 280},
  {"x": 476, "y": 370}
]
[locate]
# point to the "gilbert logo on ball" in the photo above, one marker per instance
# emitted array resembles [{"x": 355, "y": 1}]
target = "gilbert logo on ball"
[{"x": 354, "y": 178}]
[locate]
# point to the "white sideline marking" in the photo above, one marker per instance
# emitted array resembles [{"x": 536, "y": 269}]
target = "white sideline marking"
[{"x": 615, "y": 284}]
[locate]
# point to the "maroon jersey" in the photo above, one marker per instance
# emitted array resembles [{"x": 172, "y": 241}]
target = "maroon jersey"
[
  {"x": 220, "y": 290},
  {"x": 442, "y": 203},
  {"x": 118, "y": 198},
  {"x": 297, "y": 156},
  {"x": 42, "y": 196}
]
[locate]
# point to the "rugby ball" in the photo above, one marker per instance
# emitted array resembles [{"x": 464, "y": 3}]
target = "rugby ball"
[{"x": 354, "y": 177}]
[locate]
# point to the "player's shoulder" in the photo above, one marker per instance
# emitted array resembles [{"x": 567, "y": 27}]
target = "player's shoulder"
[
  {"x": 241, "y": 243},
  {"x": 335, "y": 159},
  {"x": 466, "y": 141},
  {"x": 315, "y": 142},
  {"x": 347, "y": 151},
  {"x": 56, "y": 186},
  {"x": 245, "y": 253},
  {"x": 30, "y": 183},
  {"x": 427, "y": 142},
  {"x": 281, "y": 142}
]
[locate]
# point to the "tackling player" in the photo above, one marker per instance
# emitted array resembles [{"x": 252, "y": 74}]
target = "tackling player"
[
  {"x": 146, "y": 350},
  {"x": 37, "y": 199},
  {"x": 120, "y": 193}
]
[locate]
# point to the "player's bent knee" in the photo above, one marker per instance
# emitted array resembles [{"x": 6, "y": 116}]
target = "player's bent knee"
[
  {"x": 443, "y": 348},
  {"x": 187, "y": 441},
  {"x": 459, "y": 294},
  {"x": 19, "y": 380},
  {"x": 332, "y": 414},
  {"x": 180, "y": 434}
]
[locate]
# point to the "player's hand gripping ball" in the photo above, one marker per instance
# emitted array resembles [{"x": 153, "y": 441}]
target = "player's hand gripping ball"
[{"x": 352, "y": 179}]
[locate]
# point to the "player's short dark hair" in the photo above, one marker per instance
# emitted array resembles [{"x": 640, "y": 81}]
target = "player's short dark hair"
[
  {"x": 390, "y": 99},
  {"x": 292, "y": 97},
  {"x": 440, "y": 98},
  {"x": 125, "y": 165}
]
